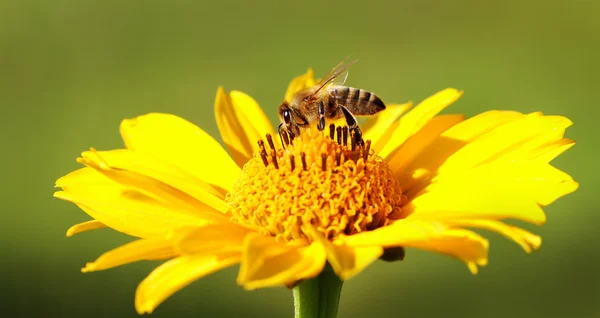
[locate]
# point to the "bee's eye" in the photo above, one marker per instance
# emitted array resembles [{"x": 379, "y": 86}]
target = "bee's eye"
[{"x": 287, "y": 117}]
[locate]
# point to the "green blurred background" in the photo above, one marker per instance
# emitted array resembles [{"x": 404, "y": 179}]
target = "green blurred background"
[{"x": 70, "y": 71}]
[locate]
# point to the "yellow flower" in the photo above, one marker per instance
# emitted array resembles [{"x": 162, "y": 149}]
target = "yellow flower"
[{"x": 421, "y": 181}]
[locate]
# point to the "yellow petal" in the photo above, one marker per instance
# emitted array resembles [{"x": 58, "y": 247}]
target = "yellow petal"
[
  {"x": 300, "y": 83},
  {"x": 85, "y": 226},
  {"x": 497, "y": 191},
  {"x": 476, "y": 202},
  {"x": 379, "y": 127},
  {"x": 241, "y": 123},
  {"x": 156, "y": 248},
  {"x": 174, "y": 275},
  {"x": 152, "y": 188},
  {"x": 541, "y": 181},
  {"x": 346, "y": 261},
  {"x": 548, "y": 152},
  {"x": 121, "y": 208},
  {"x": 181, "y": 143},
  {"x": 506, "y": 140},
  {"x": 427, "y": 235},
  {"x": 527, "y": 240},
  {"x": 267, "y": 263},
  {"x": 414, "y": 145},
  {"x": 418, "y": 173},
  {"x": 481, "y": 124},
  {"x": 412, "y": 122},
  {"x": 127, "y": 160},
  {"x": 226, "y": 236}
]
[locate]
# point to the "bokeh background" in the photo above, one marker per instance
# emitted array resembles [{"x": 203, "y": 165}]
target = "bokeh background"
[{"x": 70, "y": 71}]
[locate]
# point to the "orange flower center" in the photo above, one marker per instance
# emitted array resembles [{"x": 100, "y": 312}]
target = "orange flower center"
[{"x": 337, "y": 185}]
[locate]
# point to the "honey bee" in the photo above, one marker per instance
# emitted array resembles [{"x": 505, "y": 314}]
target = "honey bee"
[{"x": 328, "y": 100}]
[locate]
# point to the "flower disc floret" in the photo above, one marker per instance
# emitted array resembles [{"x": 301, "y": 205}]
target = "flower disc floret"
[{"x": 337, "y": 185}]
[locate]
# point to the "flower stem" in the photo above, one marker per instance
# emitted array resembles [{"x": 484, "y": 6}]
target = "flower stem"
[{"x": 318, "y": 297}]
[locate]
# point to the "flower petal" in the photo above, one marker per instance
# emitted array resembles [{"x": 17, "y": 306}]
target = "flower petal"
[
  {"x": 433, "y": 236},
  {"x": 300, "y": 83},
  {"x": 151, "y": 187},
  {"x": 414, "y": 120},
  {"x": 507, "y": 140},
  {"x": 379, "y": 127},
  {"x": 85, "y": 226},
  {"x": 549, "y": 152},
  {"x": 241, "y": 123},
  {"x": 121, "y": 208},
  {"x": 494, "y": 191},
  {"x": 415, "y": 144},
  {"x": 346, "y": 261},
  {"x": 226, "y": 236},
  {"x": 155, "y": 248},
  {"x": 174, "y": 275},
  {"x": 418, "y": 173},
  {"x": 267, "y": 263},
  {"x": 181, "y": 143},
  {"x": 527, "y": 240},
  {"x": 127, "y": 160}
]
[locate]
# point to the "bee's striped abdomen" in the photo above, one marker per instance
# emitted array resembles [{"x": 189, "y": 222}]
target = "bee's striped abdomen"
[{"x": 358, "y": 101}]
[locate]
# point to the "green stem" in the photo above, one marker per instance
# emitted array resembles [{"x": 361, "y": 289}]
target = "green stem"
[
  {"x": 318, "y": 297},
  {"x": 330, "y": 289}
]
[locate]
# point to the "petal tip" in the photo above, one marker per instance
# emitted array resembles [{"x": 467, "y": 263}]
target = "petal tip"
[
  {"x": 144, "y": 308},
  {"x": 473, "y": 268},
  {"x": 89, "y": 267}
]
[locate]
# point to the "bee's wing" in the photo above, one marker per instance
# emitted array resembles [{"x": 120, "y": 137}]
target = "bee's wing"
[{"x": 337, "y": 75}]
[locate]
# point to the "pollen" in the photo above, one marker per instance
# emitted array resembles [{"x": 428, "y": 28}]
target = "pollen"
[{"x": 333, "y": 182}]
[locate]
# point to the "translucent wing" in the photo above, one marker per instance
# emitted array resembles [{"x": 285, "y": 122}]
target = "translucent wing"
[{"x": 337, "y": 75}]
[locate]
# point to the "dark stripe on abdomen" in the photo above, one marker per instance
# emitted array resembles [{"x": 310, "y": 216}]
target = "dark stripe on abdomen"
[
  {"x": 342, "y": 93},
  {"x": 364, "y": 99},
  {"x": 353, "y": 96}
]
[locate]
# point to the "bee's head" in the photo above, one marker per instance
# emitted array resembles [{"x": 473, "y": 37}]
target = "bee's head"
[{"x": 287, "y": 120}]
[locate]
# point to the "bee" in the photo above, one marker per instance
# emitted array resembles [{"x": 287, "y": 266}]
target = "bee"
[{"x": 328, "y": 100}]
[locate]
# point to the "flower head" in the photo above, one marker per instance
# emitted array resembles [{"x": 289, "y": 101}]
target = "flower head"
[{"x": 419, "y": 181}]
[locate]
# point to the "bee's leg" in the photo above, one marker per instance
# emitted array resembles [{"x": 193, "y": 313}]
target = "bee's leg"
[
  {"x": 321, "y": 124},
  {"x": 281, "y": 135},
  {"x": 352, "y": 124}
]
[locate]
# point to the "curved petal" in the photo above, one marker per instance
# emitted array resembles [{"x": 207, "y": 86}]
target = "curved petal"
[
  {"x": 507, "y": 141},
  {"x": 427, "y": 235},
  {"x": 419, "y": 172},
  {"x": 415, "y": 144},
  {"x": 300, "y": 83},
  {"x": 241, "y": 123},
  {"x": 548, "y": 152},
  {"x": 174, "y": 275},
  {"x": 379, "y": 127},
  {"x": 155, "y": 248},
  {"x": 267, "y": 263},
  {"x": 152, "y": 188},
  {"x": 211, "y": 238},
  {"x": 496, "y": 191},
  {"x": 122, "y": 208},
  {"x": 346, "y": 261},
  {"x": 414, "y": 120},
  {"x": 542, "y": 182},
  {"x": 527, "y": 240},
  {"x": 127, "y": 160},
  {"x": 181, "y": 143},
  {"x": 85, "y": 226}
]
